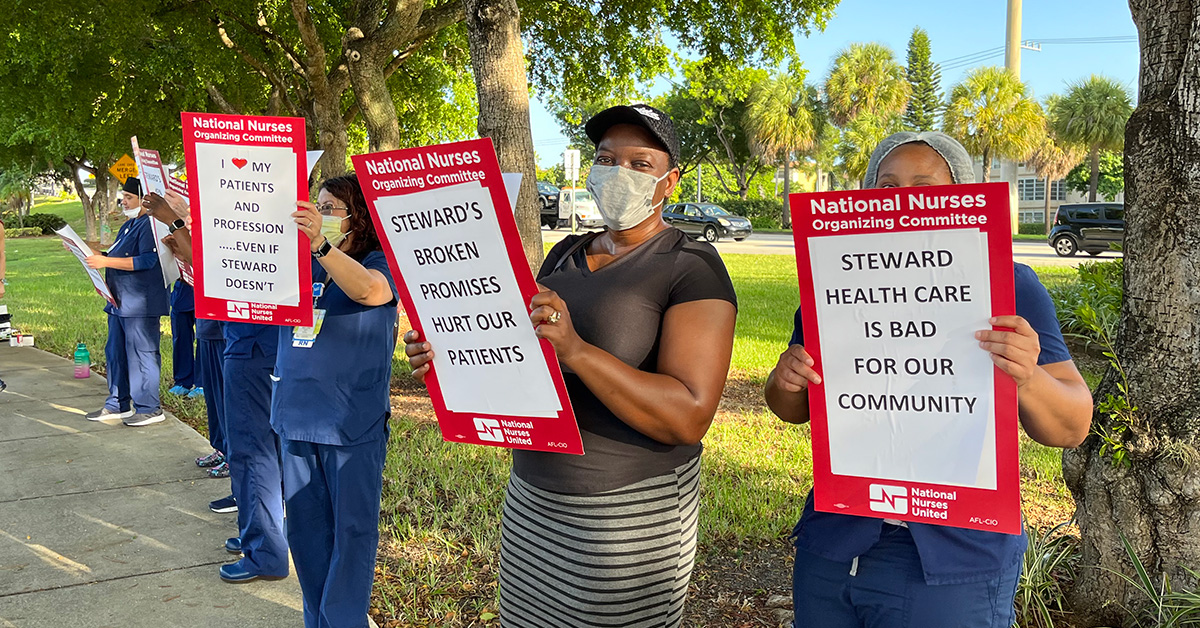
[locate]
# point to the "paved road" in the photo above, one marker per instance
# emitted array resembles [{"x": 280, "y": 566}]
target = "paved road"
[
  {"x": 102, "y": 525},
  {"x": 1026, "y": 252}
]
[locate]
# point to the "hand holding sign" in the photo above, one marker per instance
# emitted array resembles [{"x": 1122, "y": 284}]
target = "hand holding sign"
[
  {"x": 552, "y": 320},
  {"x": 794, "y": 371},
  {"x": 1014, "y": 352}
]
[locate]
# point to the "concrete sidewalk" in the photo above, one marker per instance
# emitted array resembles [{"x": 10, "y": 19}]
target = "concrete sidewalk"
[{"x": 102, "y": 525}]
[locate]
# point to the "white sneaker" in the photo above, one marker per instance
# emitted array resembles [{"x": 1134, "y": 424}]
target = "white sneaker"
[
  {"x": 103, "y": 414},
  {"x": 145, "y": 418}
]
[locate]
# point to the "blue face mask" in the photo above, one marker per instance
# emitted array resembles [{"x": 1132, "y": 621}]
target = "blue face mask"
[{"x": 624, "y": 197}]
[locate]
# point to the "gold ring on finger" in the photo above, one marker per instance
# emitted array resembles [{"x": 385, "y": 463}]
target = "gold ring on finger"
[{"x": 555, "y": 317}]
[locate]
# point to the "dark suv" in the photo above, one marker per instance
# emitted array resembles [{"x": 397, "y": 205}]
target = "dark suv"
[
  {"x": 707, "y": 221},
  {"x": 1090, "y": 227},
  {"x": 548, "y": 195}
]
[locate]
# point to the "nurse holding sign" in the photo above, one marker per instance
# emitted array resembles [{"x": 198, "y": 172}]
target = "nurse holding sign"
[
  {"x": 906, "y": 352},
  {"x": 331, "y": 405}
]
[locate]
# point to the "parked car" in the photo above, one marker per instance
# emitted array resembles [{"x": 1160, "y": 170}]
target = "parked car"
[
  {"x": 586, "y": 214},
  {"x": 548, "y": 195},
  {"x": 707, "y": 221},
  {"x": 1090, "y": 227}
]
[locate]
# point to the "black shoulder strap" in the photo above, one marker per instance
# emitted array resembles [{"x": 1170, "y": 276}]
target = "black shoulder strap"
[{"x": 580, "y": 243}]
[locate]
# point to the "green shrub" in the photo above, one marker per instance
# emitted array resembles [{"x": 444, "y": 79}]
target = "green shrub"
[
  {"x": 48, "y": 223},
  {"x": 1031, "y": 228},
  {"x": 1099, "y": 288},
  {"x": 23, "y": 232}
]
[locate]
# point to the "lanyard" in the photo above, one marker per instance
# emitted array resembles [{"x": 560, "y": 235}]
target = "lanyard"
[{"x": 319, "y": 290}]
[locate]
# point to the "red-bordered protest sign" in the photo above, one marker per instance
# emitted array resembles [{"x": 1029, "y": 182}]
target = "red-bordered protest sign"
[
  {"x": 912, "y": 420},
  {"x": 443, "y": 215},
  {"x": 154, "y": 179},
  {"x": 249, "y": 261}
]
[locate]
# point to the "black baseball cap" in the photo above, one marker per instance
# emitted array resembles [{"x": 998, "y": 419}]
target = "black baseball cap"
[
  {"x": 133, "y": 185},
  {"x": 656, "y": 122}
]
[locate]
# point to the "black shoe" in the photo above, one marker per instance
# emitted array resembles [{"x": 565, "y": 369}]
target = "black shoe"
[
  {"x": 233, "y": 545},
  {"x": 224, "y": 505}
]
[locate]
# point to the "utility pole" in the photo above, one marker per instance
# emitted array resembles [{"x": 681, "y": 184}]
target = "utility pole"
[
  {"x": 1012, "y": 44},
  {"x": 1012, "y": 63}
]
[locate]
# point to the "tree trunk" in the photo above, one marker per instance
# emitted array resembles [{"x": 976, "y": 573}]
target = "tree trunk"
[
  {"x": 494, "y": 36},
  {"x": 987, "y": 165},
  {"x": 1094, "y": 180},
  {"x": 326, "y": 100},
  {"x": 90, "y": 216},
  {"x": 102, "y": 198},
  {"x": 786, "y": 220},
  {"x": 1046, "y": 212},
  {"x": 1155, "y": 501}
]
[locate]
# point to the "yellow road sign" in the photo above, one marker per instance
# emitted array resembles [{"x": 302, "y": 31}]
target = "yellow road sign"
[{"x": 124, "y": 168}]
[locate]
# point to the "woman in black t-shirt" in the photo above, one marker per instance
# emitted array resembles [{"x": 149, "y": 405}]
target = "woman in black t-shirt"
[{"x": 642, "y": 321}]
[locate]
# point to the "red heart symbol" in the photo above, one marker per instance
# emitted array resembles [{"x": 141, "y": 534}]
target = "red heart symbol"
[{"x": 240, "y": 163}]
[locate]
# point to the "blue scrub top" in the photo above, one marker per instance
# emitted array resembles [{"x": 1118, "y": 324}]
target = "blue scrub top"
[
  {"x": 183, "y": 297},
  {"x": 948, "y": 555},
  {"x": 335, "y": 391},
  {"x": 241, "y": 338},
  {"x": 207, "y": 329},
  {"x": 139, "y": 292}
]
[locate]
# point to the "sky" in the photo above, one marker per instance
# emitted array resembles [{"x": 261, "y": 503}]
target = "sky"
[{"x": 956, "y": 29}]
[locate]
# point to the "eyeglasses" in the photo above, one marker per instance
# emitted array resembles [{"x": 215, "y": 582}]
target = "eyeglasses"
[{"x": 326, "y": 209}]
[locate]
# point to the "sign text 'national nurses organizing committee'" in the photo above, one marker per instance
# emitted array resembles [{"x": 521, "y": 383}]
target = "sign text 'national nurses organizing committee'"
[
  {"x": 912, "y": 421},
  {"x": 250, "y": 262},
  {"x": 443, "y": 215}
]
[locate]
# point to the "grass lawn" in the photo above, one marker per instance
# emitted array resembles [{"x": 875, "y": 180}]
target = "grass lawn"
[{"x": 441, "y": 502}]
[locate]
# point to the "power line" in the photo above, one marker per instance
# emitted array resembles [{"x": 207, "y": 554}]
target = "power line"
[{"x": 955, "y": 63}]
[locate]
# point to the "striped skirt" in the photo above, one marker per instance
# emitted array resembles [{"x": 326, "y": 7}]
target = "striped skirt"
[{"x": 618, "y": 558}]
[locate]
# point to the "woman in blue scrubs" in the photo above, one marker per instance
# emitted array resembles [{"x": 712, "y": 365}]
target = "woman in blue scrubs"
[
  {"x": 136, "y": 282},
  {"x": 331, "y": 407},
  {"x": 854, "y": 572}
]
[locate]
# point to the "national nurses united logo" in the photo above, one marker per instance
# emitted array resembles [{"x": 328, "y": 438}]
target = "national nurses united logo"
[
  {"x": 238, "y": 309},
  {"x": 892, "y": 500},
  {"x": 489, "y": 430}
]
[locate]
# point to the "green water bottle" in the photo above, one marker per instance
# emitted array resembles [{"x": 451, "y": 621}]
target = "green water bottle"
[{"x": 83, "y": 362}]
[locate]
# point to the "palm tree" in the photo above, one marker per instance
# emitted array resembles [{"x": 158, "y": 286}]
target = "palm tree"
[
  {"x": 991, "y": 113},
  {"x": 860, "y": 138},
  {"x": 1093, "y": 114},
  {"x": 779, "y": 120},
  {"x": 1053, "y": 158},
  {"x": 866, "y": 78}
]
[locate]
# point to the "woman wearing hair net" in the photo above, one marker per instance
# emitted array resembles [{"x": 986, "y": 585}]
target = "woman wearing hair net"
[{"x": 853, "y": 572}]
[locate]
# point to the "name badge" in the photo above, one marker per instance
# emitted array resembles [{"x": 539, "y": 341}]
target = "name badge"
[{"x": 304, "y": 337}]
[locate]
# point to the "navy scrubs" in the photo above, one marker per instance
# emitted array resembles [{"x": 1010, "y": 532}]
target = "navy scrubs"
[
  {"x": 852, "y": 571},
  {"x": 252, "y": 448},
  {"x": 132, "y": 354},
  {"x": 183, "y": 334},
  {"x": 210, "y": 360},
  {"x": 330, "y": 409}
]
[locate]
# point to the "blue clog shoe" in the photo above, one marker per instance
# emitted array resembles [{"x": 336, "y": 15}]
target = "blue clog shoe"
[{"x": 237, "y": 573}]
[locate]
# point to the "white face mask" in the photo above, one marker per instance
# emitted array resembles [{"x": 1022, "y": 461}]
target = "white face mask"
[
  {"x": 624, "y": 197},
  {"x": 331, "y": 228},
  {"x": 131, "y": 213}
]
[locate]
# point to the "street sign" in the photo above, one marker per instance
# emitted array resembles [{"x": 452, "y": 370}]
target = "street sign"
[
  {"x": 124, "y": 168},
  {"x": 571, "y": 164}
]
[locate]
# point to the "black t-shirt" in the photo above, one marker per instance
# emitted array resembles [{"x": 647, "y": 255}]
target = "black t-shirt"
[{"x": 619, "y": 308}]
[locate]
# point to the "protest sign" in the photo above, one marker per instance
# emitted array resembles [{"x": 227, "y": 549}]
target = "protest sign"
[
  {"x": 76, "y": 245},
  {"x": 154, "y": 179},
  {"x": 249, "y": 261},
  {"x": 443, "y": 216},
  {"x": 912, "y": 420}
]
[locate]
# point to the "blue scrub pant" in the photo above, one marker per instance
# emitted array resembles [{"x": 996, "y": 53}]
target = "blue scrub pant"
[
  {"x": 253, "y": 455},
  {"x": 888, "y": 590},
  {"x": 333, "y": 502},
  {"x": 133, "y": 363},
  {"x": 183, "y": 337},
  {"x": 210, "y": 355}
]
